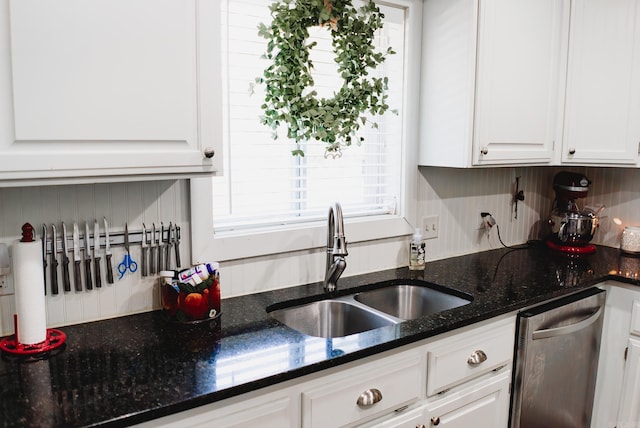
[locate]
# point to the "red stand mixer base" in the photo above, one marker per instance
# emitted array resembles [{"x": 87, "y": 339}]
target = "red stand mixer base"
[{"x": 571, "y": 249}]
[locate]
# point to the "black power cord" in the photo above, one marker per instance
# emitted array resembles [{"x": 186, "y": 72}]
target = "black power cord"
[{"x": 489, "y": 221}]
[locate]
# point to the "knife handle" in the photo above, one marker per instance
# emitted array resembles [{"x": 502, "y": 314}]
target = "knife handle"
[
  {"x": 66, "y": 281},
  {"x": 109, "y": 269},
  {"x": 145, "y": 253},
  {"x": 87, "y": 274},
  {"x": 167, "y": 255},
  {"x": 77, "y": 276},
  {"x": 160, "y": 257},
  {"x": 152, "y": 261},
  {"x": 54, "y": 274},
  {"x": 98, "y": 273},
  {"x": 177, "y": 245}
]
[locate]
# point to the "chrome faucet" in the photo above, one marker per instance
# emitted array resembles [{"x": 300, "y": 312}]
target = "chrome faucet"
[{"x": 336, "y": 248}]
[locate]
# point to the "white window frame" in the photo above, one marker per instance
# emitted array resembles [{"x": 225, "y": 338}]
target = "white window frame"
[{"x": 206, "y": 245}]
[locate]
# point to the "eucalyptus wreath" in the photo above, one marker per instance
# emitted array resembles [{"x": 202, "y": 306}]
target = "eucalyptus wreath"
[{"x": 288, "y": 99}]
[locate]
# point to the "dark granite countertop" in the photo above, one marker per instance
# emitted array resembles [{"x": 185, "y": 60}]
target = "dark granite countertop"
[{"x": 136, "y": 368}]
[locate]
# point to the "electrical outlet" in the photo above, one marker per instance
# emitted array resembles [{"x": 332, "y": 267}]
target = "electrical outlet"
[
  {"x": 430, "y": 227},
  {"x": 6, "y": 285}
]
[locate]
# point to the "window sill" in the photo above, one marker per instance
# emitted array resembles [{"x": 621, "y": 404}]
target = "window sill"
[{"x": 299, "y": 238}]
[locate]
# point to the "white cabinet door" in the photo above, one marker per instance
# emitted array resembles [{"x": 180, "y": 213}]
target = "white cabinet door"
[
  {"x": 264, "y": 412},
  {"x": 629, "y": 414},
  {"x": 603, "y": 83},
  {"x": 520, "y": 57},
  {"x": 95, "y": 88},
  {"x": 491, "y": 87},
  {"x": 483, "y": 405}
]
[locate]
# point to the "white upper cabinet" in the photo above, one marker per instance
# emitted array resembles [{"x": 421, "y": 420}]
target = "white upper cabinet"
[
  {"x": 602, "y": 119},
  {"x": 108, "y": 89},
  {"x": 491, "y": 81}
]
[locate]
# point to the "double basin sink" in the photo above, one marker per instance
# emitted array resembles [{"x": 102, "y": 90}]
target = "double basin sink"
[{"x": 367, "y": 310}]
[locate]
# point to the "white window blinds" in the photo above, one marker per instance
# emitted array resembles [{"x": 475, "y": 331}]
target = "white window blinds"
[{"x": 264, "y": 185}]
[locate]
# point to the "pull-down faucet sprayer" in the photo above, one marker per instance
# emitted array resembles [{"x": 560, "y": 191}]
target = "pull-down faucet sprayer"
[{"x": 336, "y": 248}]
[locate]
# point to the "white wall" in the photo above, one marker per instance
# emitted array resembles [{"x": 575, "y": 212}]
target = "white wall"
[{"x": 456, "y": 195}]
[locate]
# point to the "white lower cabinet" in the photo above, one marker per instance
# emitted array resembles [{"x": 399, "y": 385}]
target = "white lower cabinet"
[
  {"x": 617, "y": 397},
  {"x": 364, "y": 392},
  {"x": 484, "y": 404},
  {"x": 629, "y": 414},
  {"x": 470, "y": 369},
  {"x": 270, "y": 410}
]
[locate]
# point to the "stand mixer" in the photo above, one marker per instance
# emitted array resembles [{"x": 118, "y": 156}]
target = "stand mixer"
[{"x": 571, "y": 228}]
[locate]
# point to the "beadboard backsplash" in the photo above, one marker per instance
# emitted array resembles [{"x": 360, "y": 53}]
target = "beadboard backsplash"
[
  {"x": 132, "y": 203},
  {"x": 456, "y": 196}
]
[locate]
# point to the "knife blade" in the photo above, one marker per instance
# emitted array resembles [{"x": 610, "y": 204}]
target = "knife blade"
[
  {"x": 66, "y": 281},
  {"x": 96, "y": 253},
  {"x": 176, "y": 238},
  {"x": 107, "y": 252},
  {"x": 54, "y": 261},
  {"x": 170, "y": 242},
  {"x": 87, "y": 257},
  {"x": 77, "y": 276},
  {"x": 154, "y": 249},
  {"x": 44, "y": 256},
  {"x": 145, "y": 250}
]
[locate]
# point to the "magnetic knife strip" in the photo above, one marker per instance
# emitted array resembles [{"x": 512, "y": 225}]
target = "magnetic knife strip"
[{"x": 156, "y": 252}]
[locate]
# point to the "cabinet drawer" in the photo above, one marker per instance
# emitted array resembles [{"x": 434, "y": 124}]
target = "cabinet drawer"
[
  {"x": 335, "y": 402},
  {"x": 468, "y": 355},
  {"x": 634, "y": 328}
]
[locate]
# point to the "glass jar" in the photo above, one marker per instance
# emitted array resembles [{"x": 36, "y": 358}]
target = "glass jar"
[
  {"x": 186, "y": 303},
  {"x": 630, "y": 240}
]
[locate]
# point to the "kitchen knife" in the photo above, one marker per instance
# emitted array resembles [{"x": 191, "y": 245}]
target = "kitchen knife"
[
  {"x": 176, "y": 241},
  {"x": 161, "y": 248},
  {"x": 77, "y": 276},
  {"x": 96, "y": 253},
  {"x": 54, "y": 261},
  {"x": 66, "y": 281},
  {"x": 44, "y": 256},
  {"x": 107, "y": 252},
  {"x": 145, "y": 250},
  {"x": 87, "y": 257},
  {"x": 170, "y": 242},
  {"x": 154, "y": 249}
]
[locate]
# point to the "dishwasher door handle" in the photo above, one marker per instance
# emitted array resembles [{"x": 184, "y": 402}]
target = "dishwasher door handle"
[{"x": 567, "y": 329}]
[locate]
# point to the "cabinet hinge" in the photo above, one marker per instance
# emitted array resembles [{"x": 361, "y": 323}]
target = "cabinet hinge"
[{"x": 626, "y": 351}]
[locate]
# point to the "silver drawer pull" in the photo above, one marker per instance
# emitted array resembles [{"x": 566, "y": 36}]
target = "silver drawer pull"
[
  {"x": 476, "y": 358},
  {"x": 369, "y": 397}
]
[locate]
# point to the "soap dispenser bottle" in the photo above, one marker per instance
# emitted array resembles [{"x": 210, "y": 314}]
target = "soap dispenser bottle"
[{"x": 416, "y": 251}]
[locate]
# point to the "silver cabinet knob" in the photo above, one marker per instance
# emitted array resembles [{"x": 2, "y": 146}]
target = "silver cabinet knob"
[
  {"x": 435, "y": 420},
  {"x": 484, "y": 151},
  {"x": 209, "y": 152},
  {"x": 476, "y": 358},
  {"x": 572, "y": 151},
  {"x": 369, "y": 397}
]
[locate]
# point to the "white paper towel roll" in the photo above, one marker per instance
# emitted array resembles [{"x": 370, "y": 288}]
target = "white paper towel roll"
[{"x": 29, "y": 292}]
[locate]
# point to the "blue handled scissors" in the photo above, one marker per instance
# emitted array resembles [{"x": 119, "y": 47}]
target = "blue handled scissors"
[{"x": 128, "y": 263}]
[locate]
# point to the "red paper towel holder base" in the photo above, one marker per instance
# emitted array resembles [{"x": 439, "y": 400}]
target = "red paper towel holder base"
[{"x": 54, "y": 340}]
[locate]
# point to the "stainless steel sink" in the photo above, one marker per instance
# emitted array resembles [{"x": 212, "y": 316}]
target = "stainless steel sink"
[
  {"x": 330, "y": 318},
  {"x": 368, "y": 310},
  {"x": 410, "y": 301}
]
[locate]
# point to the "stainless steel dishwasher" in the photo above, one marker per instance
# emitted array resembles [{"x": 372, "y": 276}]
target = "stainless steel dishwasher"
[{"x": 556, "y": 362}]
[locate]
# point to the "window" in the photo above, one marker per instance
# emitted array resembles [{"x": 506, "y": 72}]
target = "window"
[{"x": 266, "y": 190}]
